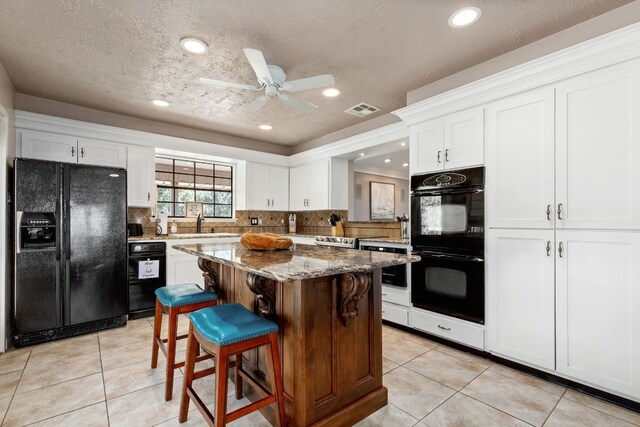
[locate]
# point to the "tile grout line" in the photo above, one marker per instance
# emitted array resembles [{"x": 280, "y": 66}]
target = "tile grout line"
[
  {"x": 595, "y": 409},
  {"x": 554, "y": 408},
  {"x": 498, "y": 409},
  {"x": 531, "y": 385},
  {"x": 104, "y": 385},
  {"x": 4, "y": 417}
]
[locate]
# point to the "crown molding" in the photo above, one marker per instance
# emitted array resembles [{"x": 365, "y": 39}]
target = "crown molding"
[
  {"x": 382, "y": 172},
  {"x": 382, "y": 135},
  {"x": 25, "y": 120},
  {"x": 602, "y": 51}
]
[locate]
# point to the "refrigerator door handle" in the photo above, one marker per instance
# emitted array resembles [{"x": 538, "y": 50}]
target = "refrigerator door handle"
[{"x": 18, "y": 236}]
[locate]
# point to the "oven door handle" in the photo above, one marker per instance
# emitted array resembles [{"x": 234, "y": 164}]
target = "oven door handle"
[
  {"x": 439, "y": 255},
  {"x": 442, "y": 191}
]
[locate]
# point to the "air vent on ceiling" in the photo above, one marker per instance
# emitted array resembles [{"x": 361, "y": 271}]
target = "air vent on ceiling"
[{"x": 362, "y": 110}]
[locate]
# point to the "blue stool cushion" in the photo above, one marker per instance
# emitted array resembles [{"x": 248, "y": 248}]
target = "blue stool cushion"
[
  {"x": 179, "y": 295},
  {"x": 230, "y": 323}
]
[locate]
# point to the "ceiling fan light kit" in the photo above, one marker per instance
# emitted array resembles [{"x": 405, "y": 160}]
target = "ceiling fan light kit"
[{"x": 272, "y": 79}]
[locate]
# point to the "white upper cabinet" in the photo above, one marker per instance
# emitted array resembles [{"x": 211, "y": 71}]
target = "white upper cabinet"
[
  {"x": 598, "y": 150},
  {"x": 267, "y": 187},
  {"x": 319, "y": 185},
  {"x": 102, "y": 153},
  {"x": 464, "y": 139},
  {"x": 521, "y": 295},
  {"x": 520, "y": 161},
  {"x": 141, "y": 188},
  {"x": 598, "y": 308},
  {"x": 71, "y": 149},
  {"x": 48, "y": 146},
  {"x": 451, "y": 142}
]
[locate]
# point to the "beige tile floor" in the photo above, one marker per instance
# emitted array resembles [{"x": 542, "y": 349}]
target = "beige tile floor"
[{"x": 429, "y": 384}]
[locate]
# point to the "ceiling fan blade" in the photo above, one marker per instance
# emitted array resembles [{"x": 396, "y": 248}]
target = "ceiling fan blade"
[
  {"x": 221, "y": 83},
  {"x": 315, "y": 82},
  {"x": 259, "y": 65},
  {"x": 298, "y": 103},
  {"x": 258, "y": 103}
]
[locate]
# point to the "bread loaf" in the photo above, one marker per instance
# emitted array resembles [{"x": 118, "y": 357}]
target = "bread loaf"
[{"x": 265, "y": 241}]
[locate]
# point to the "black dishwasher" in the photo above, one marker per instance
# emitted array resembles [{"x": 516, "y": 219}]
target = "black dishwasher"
[
  {"x": 147, "y": 272},
  {"x": 395, "y": 275}
]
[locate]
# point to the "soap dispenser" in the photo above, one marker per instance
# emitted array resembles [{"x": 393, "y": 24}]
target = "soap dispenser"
[{"x": 174, "y": 227}]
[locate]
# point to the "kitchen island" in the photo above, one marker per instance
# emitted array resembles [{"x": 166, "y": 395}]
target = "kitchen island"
[{"x": 327, "y": 304}]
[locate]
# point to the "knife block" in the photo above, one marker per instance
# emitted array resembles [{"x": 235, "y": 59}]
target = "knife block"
[{"x": 337, "y": 230}]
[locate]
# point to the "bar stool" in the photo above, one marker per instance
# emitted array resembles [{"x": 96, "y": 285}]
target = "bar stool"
[
  {"x": 227, "y": 330},
  {"x": 175, "y": 300}
]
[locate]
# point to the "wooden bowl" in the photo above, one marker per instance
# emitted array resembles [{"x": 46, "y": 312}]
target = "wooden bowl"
[{"x": 265, "y": 241}]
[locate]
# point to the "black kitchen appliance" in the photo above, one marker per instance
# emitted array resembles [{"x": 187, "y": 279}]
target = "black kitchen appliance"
[
  {"x": 134, "y": 230},
  {"x": 395, "y": 275},
  {"x": 447, "y": 232},
  {"x": 71, "y": 250},
  {"x": 147, "y": 272}
]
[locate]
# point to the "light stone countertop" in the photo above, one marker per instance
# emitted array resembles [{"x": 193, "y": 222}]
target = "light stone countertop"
[
  {"x": 178, "y": 236},
  {"x": 296, "y": 263},
  {"x": 396, "y": 240}
]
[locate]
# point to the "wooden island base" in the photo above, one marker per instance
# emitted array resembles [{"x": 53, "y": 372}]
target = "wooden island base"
[{"x": 330, "y": 341}]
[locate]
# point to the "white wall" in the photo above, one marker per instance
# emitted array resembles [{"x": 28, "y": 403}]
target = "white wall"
[
  {"x": 7, "y": 154},
  {"x": 361, "y": 205}
]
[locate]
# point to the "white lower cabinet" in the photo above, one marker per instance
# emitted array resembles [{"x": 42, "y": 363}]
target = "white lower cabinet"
[
  {"x": 598, "y": 309},
  {"x": 395, "y": 314},
  {"x": 183, "y": 267},
  {"x": 461, "y": 331},
  {"x": 520, "y": 293},
  {"x": 569, "y": 301}
]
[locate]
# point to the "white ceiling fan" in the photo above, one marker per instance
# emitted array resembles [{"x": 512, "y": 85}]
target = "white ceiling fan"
[{"x": 271, "y": 78}]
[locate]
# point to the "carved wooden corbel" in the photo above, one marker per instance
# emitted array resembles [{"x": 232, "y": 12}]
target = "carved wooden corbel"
[
  {"x": 353, "y": 288},
  {"x": 210, "y": 274},
  {"x": 265, "y": 294}
]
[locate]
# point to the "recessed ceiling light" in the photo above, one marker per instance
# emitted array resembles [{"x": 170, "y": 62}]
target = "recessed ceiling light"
[
  {"x": 361, "y": 154},
  {"x": 160, "y": 102},
  {"x": 192, "y": 45},
  {"x": 265, "y": 127},
  {"x": 387, "y": 160},
  {"x": 404, "y": 165},
  {"x": 331, "y": 92},
  {"x": 464, "y": 17},
  {"x": 402, "y": 144}
]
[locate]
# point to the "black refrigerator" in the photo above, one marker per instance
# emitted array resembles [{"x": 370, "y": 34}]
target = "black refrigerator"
[{"x": 71, "y": 250}]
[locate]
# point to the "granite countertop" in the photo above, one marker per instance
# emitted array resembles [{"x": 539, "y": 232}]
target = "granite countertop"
[
  {"x": 396, "y": 240},
  {"x": 297, "y": 263},
  {"x": 182, "y": 236}
]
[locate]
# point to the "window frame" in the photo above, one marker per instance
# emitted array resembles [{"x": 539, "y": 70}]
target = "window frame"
[{"x": 174, "y": 188}]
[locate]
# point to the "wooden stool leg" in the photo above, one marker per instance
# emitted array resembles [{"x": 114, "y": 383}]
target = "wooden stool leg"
[
  {"x": 157, "y": 327},
  {"x": 222, "y": 377},
  {"x": 171, "y": 352},
  {"x": 189, "y": 369},
  {"x": 238, "y": 378},
  {"x": 272, "y": 348}
]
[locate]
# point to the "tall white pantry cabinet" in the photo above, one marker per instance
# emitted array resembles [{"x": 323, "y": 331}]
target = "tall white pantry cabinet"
[{"x": 563, "y": 238}]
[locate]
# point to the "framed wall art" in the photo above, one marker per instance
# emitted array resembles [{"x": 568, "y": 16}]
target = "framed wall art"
[
  {"x": 193, "y": 209},
  {"x": 382, "y": 200}
]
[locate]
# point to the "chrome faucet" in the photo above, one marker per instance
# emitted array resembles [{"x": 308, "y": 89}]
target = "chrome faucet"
[{"x": 199, "y": 224}]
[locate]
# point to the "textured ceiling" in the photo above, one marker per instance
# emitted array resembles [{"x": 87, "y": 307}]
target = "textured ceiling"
[{"x": 116, "y": 55}]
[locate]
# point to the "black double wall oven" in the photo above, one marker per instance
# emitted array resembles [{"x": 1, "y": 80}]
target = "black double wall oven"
[{"x": 447, "y": 232}]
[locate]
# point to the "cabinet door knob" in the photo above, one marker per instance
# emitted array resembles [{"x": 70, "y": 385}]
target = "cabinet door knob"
[
  {"x": 446, "y": 155},
  {"x": 549, "y": 212},
  {"x": 148, "y": 196},
  {"x": 439, "y": 153},
  {"x": 82, "y": 152},
  {"x": 559, "y": 210},
  {"x": 267, "y": 202},
  {"x": 73, "y": 151},
  {"x": 560, "y": 249},
  {"x": 272, "y": 203},
  {"x": 548, "y": 247}
]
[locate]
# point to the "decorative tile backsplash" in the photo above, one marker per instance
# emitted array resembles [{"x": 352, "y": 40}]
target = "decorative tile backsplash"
[{"x": 308, "y": 223}]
